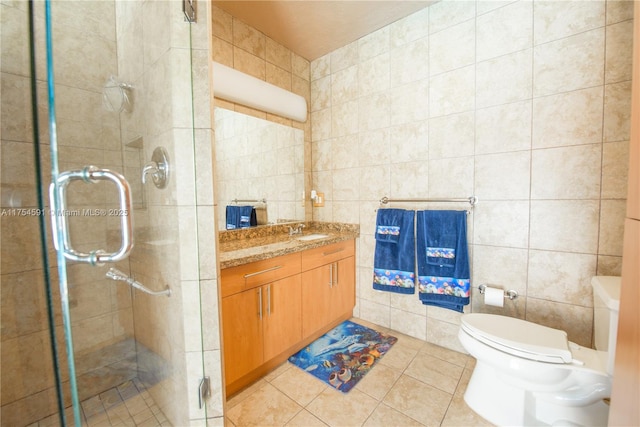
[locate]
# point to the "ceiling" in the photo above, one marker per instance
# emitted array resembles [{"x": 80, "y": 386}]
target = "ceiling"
[{"x": 313, "y": 28}]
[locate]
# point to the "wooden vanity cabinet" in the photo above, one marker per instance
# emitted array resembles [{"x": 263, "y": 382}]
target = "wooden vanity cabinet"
[
  {"x": 328, "y": 285},
  {"x": 274, "y": 307},
  {"x": 260, "y": 312}
]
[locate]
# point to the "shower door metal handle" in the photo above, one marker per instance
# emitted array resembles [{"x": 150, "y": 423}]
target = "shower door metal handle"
[{"x": 59, "y": 221}]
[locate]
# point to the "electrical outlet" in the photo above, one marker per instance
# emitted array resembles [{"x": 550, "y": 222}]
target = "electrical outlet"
[{"x": 319, "y": 201}]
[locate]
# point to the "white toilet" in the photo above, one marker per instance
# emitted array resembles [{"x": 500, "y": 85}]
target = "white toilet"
[{"x": 531, "y": 375}]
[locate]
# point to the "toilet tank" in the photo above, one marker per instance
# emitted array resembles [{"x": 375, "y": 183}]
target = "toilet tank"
[{"x": 606, "y": 305}]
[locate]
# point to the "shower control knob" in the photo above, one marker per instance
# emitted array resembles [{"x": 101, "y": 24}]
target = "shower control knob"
[{"x": 158, "y": 168}]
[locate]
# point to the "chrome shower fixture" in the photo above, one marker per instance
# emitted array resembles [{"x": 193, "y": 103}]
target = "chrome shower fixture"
[
  {"x": 119, "y": 276},
  {"x": 116, "y": 95},
  {"x": 158, "y": 168}
]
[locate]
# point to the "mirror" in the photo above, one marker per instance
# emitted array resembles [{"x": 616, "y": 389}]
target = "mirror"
[{"x": 259, "y": 160}]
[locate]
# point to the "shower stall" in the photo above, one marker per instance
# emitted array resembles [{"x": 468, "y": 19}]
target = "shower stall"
[{"x": 106, "y": 290}]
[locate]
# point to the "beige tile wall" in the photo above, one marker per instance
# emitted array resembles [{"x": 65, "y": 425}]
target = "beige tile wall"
[
  {"x": 503, "y": 100},
  {"x": 240, "y": 46},
  {"x": 176, "y": 231}
]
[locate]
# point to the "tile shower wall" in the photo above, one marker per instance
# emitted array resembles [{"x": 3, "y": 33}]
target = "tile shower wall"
[
  {"x": 240, "y": 46},
  {"x": 524, "y": 104},
  {"x": 175, "y": 234}
]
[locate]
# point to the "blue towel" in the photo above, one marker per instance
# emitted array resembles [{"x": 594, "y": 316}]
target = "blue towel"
[
  {"x": 240, "y": 217},
  {"x": 443, "y": 259},
  {"x": 394, "y": 262}
]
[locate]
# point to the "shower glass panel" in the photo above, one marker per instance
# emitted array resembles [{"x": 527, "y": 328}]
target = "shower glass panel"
[{"x": 113, "y": 83}]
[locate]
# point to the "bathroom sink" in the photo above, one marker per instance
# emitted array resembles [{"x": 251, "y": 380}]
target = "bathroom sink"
[{"x": 312, "y": 237}]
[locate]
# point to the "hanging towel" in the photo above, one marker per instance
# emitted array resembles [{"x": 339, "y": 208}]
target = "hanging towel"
[
  {"x": 240, "y": 217},
  {"x": 394, "y": 260},
  {"x": 443, "y": 258}
]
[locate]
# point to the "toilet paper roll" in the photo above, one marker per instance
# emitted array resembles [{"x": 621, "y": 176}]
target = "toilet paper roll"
[{"x": 494, "y": 296}]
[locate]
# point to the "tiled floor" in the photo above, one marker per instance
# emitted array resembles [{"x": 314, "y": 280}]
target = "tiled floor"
[
  {"x": 129, "y": 404},
  {"x": 414, "y": 384}
]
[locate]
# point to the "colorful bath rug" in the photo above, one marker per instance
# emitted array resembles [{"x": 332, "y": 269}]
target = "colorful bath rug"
[{"x": 344, "y": 355}]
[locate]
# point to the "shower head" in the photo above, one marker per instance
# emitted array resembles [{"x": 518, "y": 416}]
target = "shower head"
[{"x": 116, "y": 95}]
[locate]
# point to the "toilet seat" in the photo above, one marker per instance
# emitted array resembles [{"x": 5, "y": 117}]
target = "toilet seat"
[{"x": 518, "y": 337}]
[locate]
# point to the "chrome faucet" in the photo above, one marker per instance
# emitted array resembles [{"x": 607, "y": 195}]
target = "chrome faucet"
[{"x": 296, "y": 230}]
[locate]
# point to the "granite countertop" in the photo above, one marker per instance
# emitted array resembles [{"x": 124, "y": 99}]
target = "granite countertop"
[{"x": 247, "y": 245}]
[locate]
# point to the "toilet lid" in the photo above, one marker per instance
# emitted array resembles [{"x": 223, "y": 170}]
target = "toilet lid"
[{"x": 518, "y": 337}]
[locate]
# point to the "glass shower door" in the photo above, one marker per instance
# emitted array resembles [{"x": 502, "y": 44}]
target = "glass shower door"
[{"x": 112, "y": 82}]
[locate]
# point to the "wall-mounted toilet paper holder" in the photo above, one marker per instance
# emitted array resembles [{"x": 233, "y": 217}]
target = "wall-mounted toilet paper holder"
[{"x": 510, "y": 294}]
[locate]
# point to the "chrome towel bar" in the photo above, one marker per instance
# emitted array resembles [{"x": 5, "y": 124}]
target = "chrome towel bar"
[
  {"x": 236, "y": 201},
  {"x": 118, "y": 275},
  {"x": 473, "y": 200}
]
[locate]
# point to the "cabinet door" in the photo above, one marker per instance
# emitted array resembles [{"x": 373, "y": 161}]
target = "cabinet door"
[
  {"x": 626, "y": 375},
  {"x": 343, "y": 296},
  {"x": 242, "y": 333},
  {"x": 316, "y": 299},
  {"x": 282, "y": 315}
]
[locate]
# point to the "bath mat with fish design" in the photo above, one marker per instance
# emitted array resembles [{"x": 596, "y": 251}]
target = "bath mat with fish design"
[{"x": 344, "y": 355}]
